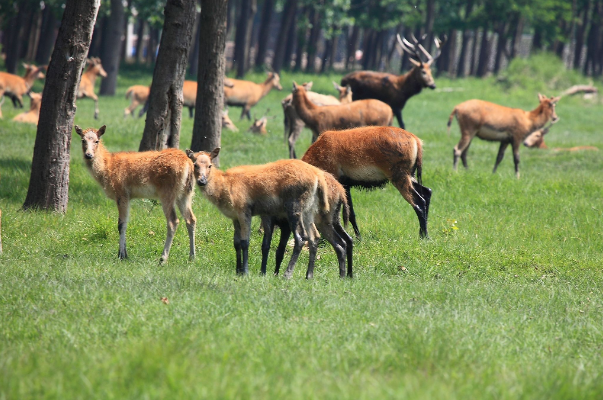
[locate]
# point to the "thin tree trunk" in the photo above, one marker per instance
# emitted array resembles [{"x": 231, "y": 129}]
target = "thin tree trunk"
[
  {"x": 474, "y": 54},
  {"x": 291, "y": 43},
  {"x": 460, "y": 69},
  {"x": 302, "y": 34},
  {"x": 313, "y": 40},
  {"x": 429, "y": 22},
  {"x": 484, "y": 55},
  {"x": 405, "y": 62},
  {"x": 140, "y": 39},
  {"x": 367, "y": 47},
  {"x": 24, "y": 34},
  {"x": 193, "y": 58},
  {"x": 49, "y": 181},
  {"x": 443, "y": 63},
  {"x": 260, "y": 58},
  {"x": 14, "y": 42},
  {"x": 286, "y": 21},
  {"x": 207, "y": 128},
  {"x": 517, "y": 34},
  {"x": 580, "y": 35},
  {"x": 352, "y": 47},
  {"x": 97, "y": 38},
  {"x": 593, "y": 39},
  {"x": 501, "y": 45},
  {"x": 47, "y": 36},
  {"x": 112, "y": 48},
  {"x": 34, "y": 36},
  {"x": 162, "y": 126},
  {"x": 243, "y": 35}
]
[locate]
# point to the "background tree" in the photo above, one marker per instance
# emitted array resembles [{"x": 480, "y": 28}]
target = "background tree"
[
  {"x": 243, "y": 35},
  {"x": 112, "y": 46}
]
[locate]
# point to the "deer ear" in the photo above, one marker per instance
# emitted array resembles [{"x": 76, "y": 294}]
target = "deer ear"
[
  {"x": 414, "y": 62},
  {"x": 101, "y": 131},
  {"x": 308, "y": 85},
  {"x": 214, "y": 153},
  {"x": 295, "y": 87},
  {"x": 541, "y": 97},
  {"x": 191, "y": 155},
  {"x": 336, "y": 86},
  {"x": 78, "y": 130}
]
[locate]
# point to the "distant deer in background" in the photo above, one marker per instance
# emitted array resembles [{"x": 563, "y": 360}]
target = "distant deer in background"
[
  {"x": 16, "y": 87},
  {"x": 536, "y": 141},
  {"x": 247, "y": 94},
  {"x": 86, "y": 88},
  {"x": 138, "y": 94},
  {"x": 259, "y": 125},
  {"x": 31, "y": 116},
  {"x": 227, "y": 122}
]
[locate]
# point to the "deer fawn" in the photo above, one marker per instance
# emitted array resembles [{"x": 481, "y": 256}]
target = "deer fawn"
[
  {"x": 247, "y": 94},
  {"x": 15, "y": 86},
  {"x": 138, "y": 94},
  {"x": 31, "y": 116},
  {"x": 86, "y": 88},
  {"x": 166, "y": 175}
]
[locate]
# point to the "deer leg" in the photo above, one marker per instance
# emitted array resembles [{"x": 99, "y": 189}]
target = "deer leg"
[
  {"x": 330, "y": 235},
  {"x": 95, "y": 98},
  {"x": 464, "y": 156},
  {"x": 349, "y": 244},
  {"x": 186, "y": 210},
  {"x": 190, "y": 111},
  {"x": 415, "y": 199},
  {"x": 282, "y": 244},
  {"x": 172, "y": 225},
  {"x": 293, "y": 136},
  {"x": 313, "y": 245},
  {"x": 123, "y": 206},
  {"x": 398, "y": 114},
  {"x": 245, "y": 222},
  {"x": 425, "y": 192},
  {"x": 294, "y": 218},
  {"x": 459, "y": 148},
  {"x": 501, "y": 154},
  {"x": 237, "y": 245},
  {"x": 268, "y": 225},
  {"x": 348, "y": 195},
  {"x": 516, "y": 145}
]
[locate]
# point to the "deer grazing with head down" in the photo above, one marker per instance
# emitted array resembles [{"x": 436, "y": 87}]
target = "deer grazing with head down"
[
  {"x": 33, "y": 115},
  {"x": 227, "y": 122},
  {"x": 247, "y": 94},
  {"x": 370, "y": 157},
  {"x": 86, "y": 88},
  {"x": 395, "y": 90},
  {"x": 166, "y": 175},
  {"x": 16, "y": 87},
  {"x": 138, "y": 94},
  {"x": 492, "y": 122}
]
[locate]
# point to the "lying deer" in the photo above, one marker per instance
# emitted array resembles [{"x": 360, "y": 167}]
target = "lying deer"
[
  {"x": 247, "y": 94},
  {"x": 343, "y": 116},
  {"x": 31, "y": 116},
  {"x": 535, "y": 140},
  {"x": 370, "y": 157},
  {"x": 489, "y": 121},
  {"x": 138, "y": 94},
  {"x": 287, "y": 189},
  {"x": 227, "y": 122},
  {"x": 86, "y": 88},
  {"x": 16, "y": 87},
  {"x": 395, "y": 90},
  {"x": 166, "y": 175},
  {"x": 259, "y": 125}
]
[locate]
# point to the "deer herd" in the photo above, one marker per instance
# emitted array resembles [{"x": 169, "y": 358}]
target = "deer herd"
[{"x": 354, "y": 145}]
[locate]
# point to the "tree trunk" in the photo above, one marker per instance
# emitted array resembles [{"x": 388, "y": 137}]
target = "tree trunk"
[
  {"x": 352, "y": 46},
  {"x": 193, "y": 58},
  {"x": 47, "y": 36},
  {"x": 405, "y": 62},
  {"x": 593, "y": 40},
  {"x": 140, "y": 40},
  {"x": 287, "y": 19},
  {"x": 448, "y": 53},
  {"x": 34, "y": 35},
  {"x": 14, "y": 42},
  {"x": 580, "y": 35},
  {"x": 207, "y": 128},
  {"x": 24, "y": 34},
  {"x": 460, "y": 69},
  {"x": 162, "y": 126},
  {"x": 302, "y": 34},
  {"x": 517, "y": 34},
  {"x": 260, "y": 58},
  {"x": 152, "y": 48},
  {"x": 290, "y": 46},
  {"x": 112, "y": 47},
  {"x": 501, "y": 45},
  {"x": 429, "y": 21},
  {"x": 243, "y": 35},
  {"x": 474, "y": 54},
  {"x": 484, "y": 55},
  {"x": 367, "y": 48},
  {"x": 97, "y": 38},
  {"x": 49, "y": 181},
  {"x": 313, "y": 40}
]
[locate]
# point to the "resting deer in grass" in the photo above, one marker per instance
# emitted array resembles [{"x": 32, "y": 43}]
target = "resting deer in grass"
[
  {"x": 535, "y": 140},
  {"x": 259, "y": 125},
  {"x": 294, "y": 124},
  {"x": 16, "y": 87},
  {"x": 489, "y": 121},
  {"x": 31, "y": 116},
  {"x": 395, "y": 90},
  {"x": 288, "y": 189},
  {"x": 370, "y": 157},
  {"x": 86, "y": 88},
  {"x": 247, "y": 94},
  {"x": 166, "y": 175},
  {"x": 343, "y": 116},
  {"x": 227, "y": 122},
  {"x": 138, "y": 94}
]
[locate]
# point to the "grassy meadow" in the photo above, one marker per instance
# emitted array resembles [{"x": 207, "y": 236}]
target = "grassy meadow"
[{"x": 503, "y": 302}]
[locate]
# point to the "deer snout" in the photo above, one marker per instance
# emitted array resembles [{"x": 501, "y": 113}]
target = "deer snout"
[
  {"x": 88, "y": 156},
  {"x": 432, "y": 86},
  {"x": 202, "y": 181},
  {"x": 554, "y": 119}
]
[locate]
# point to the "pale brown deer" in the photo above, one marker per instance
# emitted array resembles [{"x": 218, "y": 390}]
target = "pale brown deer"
[
  {"x": 247, "y": 94},
  {"x": 16, "y": 87},
  {"x": 86, "y": 88},
  {"x": 368, "y": 158},
  {"x": 259, "y": 124},
  {"x": 492, "y": 122},
  {"x": 31, "y": 116},
  {"x": 138, "y": 95},
  {"x": 535, "y": 140},
  {"x": 395, "y": 90},
  {"x": 227, "y": 122},
  {"x": 166, "y": 175}
]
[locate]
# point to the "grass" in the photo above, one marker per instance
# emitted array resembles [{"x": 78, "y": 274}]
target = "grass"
[{"x": 504, "y": 301}]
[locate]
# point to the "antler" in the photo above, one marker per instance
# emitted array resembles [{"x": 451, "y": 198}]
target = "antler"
[
  {"x": 412, "y": 48},
  {"x": 409, "y": 48}
]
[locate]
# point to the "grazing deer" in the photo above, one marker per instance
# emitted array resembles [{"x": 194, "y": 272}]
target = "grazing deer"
[
  {"x": 138, "y": 94},
  {"x": 86, "y": 88},
  {"x": 368, "y": 158},
  {"x": 395, "y": 90},
  {"x": 343, "y": 116},
  {"x": 286, "y": 189},
  {"x": 16, "y": 87},
  {"x": 227, "y": 122},
  {"x": 536, "y": 141},
  {"x": 489, "y": 121},
  {"x": 166, "y": 175},
  {"x": 31, "y": 116},
  {"x": 247, "y": 94}
]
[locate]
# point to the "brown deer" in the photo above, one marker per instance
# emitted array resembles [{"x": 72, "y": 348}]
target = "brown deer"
[
  {"x": 492, "y": 122},
  {"x": 227, "y": 122},
  {"x": 86, "y": 88},
  {"x": 166, "y": 175},
  {"x": 259, "y": 125},
  {"x": 343, "y": 116},
  {"x": 16, "y": 87},
  {"x": 138, "y": 94},
  {"x": 31, "y": 116},
  {"x": 370, "y": 157},
  {"x": 247, "y": 94},
  {"x": 395, "y": 90},
  {"x": 286, "y": 189},
  {"x": 536, "y": 141}
]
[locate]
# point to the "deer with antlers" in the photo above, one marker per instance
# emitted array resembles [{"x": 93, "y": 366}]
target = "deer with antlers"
[
  {"x": 395, "y": 90},
  {"x": 86, "y": 88},
  {"x": 247, "y": 94},
  {"x": 16, "y": 87}
]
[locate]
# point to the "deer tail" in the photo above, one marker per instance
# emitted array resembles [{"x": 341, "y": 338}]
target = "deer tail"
[
  {"x": 419, "y": 163},
  {"x": 452, "y": 115},
  {"x": 323, "y": 193},
  {"x": 346, "y": 210},
  {"x": 129, "y": 92}
]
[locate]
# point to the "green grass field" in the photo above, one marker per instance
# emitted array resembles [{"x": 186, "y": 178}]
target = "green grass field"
[{"x": 504, "y": 302}]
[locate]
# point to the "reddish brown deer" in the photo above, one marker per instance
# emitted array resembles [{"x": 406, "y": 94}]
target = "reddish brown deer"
[
  {"x": 227, "y": 122},
  {"x": 288, "y": 189},
  {"x": 247, "y": 94},
  {"x": 86, "y": 88},
  {"x": 343, "y": 116},
  {"x": 166, "y": 175},
  {"x": 370, "y": 157},
  {"x": 16, "y": 87},
  {"x": 138, "y": 94},
  {"x": 395, "y": 90},
  {"x": 492, "y": 122},
  {"x": 31, "y": 116}
]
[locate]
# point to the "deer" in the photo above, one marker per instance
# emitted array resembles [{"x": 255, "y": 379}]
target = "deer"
[
  {"x": 31, "y": 116},
  {"x": 88, "y": 80},
  {"x": 369, "y": 158},
  {"x": 294, "y": 124},
  {"x": 396, "y": 90},
  {"x": 227, "y": 122},
  {"x": 166, "y": 175},
  {"x": 492, "y": 122},
  {"x": 286, "y": 189},
  {"x": 247, "y": 94},
  {"x": 16, "y": 87},
  {"x": 138, "y": 94},
  {"x": 535, "y": 140},
  {"x": 343, "y": 116},
  {"x": 259, "y": 125}
]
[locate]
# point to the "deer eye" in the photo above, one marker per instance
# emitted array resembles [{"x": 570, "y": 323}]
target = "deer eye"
[
  {"x": 209, "y": 166},
  {"x": 96, "y": 142}
]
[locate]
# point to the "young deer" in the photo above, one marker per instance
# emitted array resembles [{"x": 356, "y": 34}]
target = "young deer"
[
  {"x": 489, "y": 121},
  {"x": 368, "y": 158},
  {"x": 247, "y": 94},
  {"x": 86, "y": 88},
  {"x": 259, "y": 125},
  {"x": 343, "y": 116},
  {"x": 227, "y": 122},
  {"x": 166, "y": 175},
  {"x": 31, "y": 116},
  {"x": 288, "y": 189},
  {"x": 138, "y": 94},
  {"x": 16, "y": 87}
]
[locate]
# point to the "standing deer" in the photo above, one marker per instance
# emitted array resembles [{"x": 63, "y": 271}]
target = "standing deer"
[
  {"x": 138, "y": 94},
  {"x": 31, "y": 116},
  {"x": 86, "y": 88},
  {"x": 370, "y": 157},
  {"x": 492, "y": 122},
  {"x": 16, "y": 87},
  {"x": 166, "y": 175},
  {"x": 395, "y": 90},
  {"x": 247, "y": 94}
]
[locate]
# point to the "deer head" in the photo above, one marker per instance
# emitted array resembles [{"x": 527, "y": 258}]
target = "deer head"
[
  {"x": 203, "y": 162},
  {"x": 90, "y": 140},
  {"x": 423, "y": 67}
]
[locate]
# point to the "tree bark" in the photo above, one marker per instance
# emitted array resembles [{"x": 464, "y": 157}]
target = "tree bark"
[
  {"x": 474, "y": 52},
  {"x": 291, "y": 43},
  {"x": 243, "y": 35},
  {"x": 112, "y": 44},
  {"x": 207, "y": 128},
  {"x": 501, "y": 45},
  {"x": 287, "y": 19},
  {"x": 47, "y": 36},
  {"x": 193, "y": 58},
  {"x": 302, "y": 34},
  {"x": 97, "y": 38},
  {"x": 162, "y": 126},
  {"x": 260, "y": 58},
  {"x": 517, "y": 34},
  {"x": 593, "y": 40},
  {"x": 34, "y": 35},
  {"x": 140, "y": 39},
  {"x": 580, "y": 35},
  {"x": 313, "y": 40},
  {"x": 484, "y": 55},
  {"x": 14, "y": 42},
  {"x": 49, "y": 181},
  {"x": 352, "y": 46}
]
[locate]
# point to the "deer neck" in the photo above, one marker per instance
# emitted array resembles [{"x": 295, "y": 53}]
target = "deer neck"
[
  {"x": 537, "y": 118},
  {"x": 91, "y": 75},
  {"x": 217, "y": 189},
  {"x": 30, "y": 78},
  {"x": 303, "y": 106},
  {"x": 266, "y": 87},
  {"x": 98, "y": 165},
  {"x": 410, "y": 83}
]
